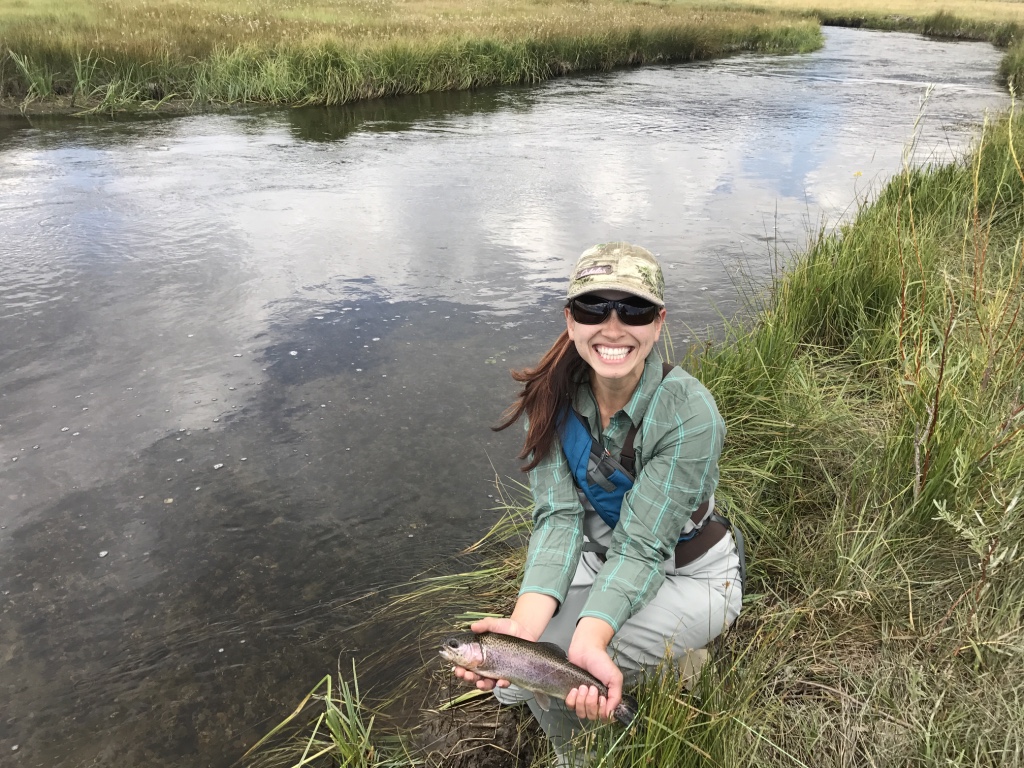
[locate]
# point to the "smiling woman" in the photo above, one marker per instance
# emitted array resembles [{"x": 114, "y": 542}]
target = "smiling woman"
[
  {"x": 121, "y": 53},
  {"x": 627, "y": 557}
]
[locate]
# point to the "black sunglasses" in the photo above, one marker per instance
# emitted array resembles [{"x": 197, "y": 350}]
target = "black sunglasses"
[{"x": 593, "y": 310}]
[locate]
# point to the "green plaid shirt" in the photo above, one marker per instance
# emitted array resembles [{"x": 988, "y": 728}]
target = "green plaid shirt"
[{"x": 677, "y": 448}]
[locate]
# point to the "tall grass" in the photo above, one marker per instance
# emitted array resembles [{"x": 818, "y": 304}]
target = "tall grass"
[
  {"x": 211, "y": 52},
  {"x": 875, "y": 460}
]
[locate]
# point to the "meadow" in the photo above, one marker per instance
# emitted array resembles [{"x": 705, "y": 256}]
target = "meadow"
[
  {"x": 875, "y": 460},
  {"x": 115, "y": 54}
]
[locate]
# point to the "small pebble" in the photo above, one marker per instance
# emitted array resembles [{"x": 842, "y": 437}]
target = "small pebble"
[
  {"x": 293, "y": 353},
  {"x": 64, "y": 429},
  {"x": 15, "y": 458},
  {"x": 198, "y": 487},
  {"x": 238, "y": 354},
  {"x": 243, "y": 459},
  {"x": 217, "y": 466},
  {"x": 104, "y": 553},
  {"x": 216, "y": 419},
  {"x": 168, "y": 501}
]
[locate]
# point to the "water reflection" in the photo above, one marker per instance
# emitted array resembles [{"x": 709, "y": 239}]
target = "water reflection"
[{"x": 421, "y": 112}]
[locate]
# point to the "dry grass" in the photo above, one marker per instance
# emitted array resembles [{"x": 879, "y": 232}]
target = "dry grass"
[
  {"x": 113, "y": 52},
  {"x": 991, "y": 11}
]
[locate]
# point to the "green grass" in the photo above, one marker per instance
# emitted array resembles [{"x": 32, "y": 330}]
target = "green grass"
[
  {"x": 875, "y": 459},
  {"x": 106, "y": 54}
]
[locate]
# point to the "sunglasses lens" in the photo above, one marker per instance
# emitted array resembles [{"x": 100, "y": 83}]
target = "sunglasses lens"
[
  {"x": 594, "y": 311},
  {"x": 633, "y": 315},
  {"x": 590, "y": 313}
]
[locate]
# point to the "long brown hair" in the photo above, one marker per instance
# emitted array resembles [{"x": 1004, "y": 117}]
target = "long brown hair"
[{"x": 547, "y": 391}]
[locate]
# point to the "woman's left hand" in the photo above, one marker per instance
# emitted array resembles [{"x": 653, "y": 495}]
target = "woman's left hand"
[{"x": 589, "y": 650}]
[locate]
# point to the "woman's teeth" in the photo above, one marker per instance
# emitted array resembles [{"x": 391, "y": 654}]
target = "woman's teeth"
[{"x": 612, "y": 353}]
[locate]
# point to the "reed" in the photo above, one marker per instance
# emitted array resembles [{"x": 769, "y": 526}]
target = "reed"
[{"x": 114, "y": 53}]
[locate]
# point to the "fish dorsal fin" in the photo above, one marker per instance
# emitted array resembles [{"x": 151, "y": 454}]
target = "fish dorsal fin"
[{"x": 553, "y": 649}]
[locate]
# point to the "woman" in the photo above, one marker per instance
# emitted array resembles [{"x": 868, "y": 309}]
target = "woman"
[{"x": 617, "y": 574}]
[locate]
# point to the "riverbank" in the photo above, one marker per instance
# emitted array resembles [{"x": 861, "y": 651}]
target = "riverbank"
[
  {"x": 133, "y": 54},
  {"x": 875, "y": 461}
]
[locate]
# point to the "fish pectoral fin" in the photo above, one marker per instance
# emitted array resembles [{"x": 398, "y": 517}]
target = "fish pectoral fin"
[{"x": 542, "y": 699}]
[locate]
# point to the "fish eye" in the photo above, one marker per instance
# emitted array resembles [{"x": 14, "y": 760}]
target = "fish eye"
[{"x": 451, "y": 642}]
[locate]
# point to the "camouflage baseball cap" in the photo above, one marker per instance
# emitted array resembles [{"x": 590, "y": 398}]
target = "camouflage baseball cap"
[{"x": 618, "y": 267}]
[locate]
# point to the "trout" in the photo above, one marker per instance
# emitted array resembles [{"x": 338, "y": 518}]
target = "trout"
[{"x": 541, "y": 668}]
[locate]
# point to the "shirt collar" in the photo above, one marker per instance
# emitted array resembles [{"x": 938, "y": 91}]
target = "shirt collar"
[{"x": 650, "y": 380}]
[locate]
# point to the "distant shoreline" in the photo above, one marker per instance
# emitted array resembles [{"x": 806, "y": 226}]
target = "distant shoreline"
[{"x": 189, "y": 58}]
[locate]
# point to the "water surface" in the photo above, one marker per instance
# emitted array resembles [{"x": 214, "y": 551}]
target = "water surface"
[{"x": 248, "y": 362}]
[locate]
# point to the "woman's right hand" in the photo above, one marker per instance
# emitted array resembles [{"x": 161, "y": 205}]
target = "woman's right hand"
[{"x": 501, "y": 627}]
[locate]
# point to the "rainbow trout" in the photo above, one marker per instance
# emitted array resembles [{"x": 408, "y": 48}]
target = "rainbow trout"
[{"x": 540, "y": 668}]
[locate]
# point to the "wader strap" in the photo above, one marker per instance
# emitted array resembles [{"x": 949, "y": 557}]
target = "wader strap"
[
  {"x": 710, "y": 533},
  {"x": 737, "y": 534},
  {"x": 628, "y": 456}
]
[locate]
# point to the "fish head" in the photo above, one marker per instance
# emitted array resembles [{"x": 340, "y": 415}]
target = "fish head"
[{"x": 464, "y": 649}]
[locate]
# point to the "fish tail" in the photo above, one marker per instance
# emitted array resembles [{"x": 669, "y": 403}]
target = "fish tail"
[{"x": 627, "y": 709}]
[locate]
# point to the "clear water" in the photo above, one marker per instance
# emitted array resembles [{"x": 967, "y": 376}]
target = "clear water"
[{"x": 248, "y": 362}]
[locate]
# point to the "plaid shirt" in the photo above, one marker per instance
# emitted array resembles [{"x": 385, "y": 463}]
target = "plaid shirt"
[{"x": 677, "y": 448}]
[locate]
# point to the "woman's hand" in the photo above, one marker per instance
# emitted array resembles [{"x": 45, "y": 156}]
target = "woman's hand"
[
  {"x": 502, "y": 627},
  {"x": 589, "y": 650},
  {"x": 531, "y": 615}
]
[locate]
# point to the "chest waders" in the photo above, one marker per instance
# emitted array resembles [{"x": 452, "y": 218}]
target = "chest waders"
[{"x": 602, "y": 481}]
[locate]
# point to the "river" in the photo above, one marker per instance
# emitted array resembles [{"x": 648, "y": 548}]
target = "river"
[{"x": 248, "y": 361}]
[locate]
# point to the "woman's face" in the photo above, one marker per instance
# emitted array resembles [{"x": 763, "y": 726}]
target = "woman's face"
[{"x": 614, "y": 351}]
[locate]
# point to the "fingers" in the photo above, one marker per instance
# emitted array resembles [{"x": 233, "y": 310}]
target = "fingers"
[
  {"x": 485, "y": 624},
  {"x": 587, "y": 702},
  {"x": 614, "y": 697},
  {"x": 483, "y": 683}
]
